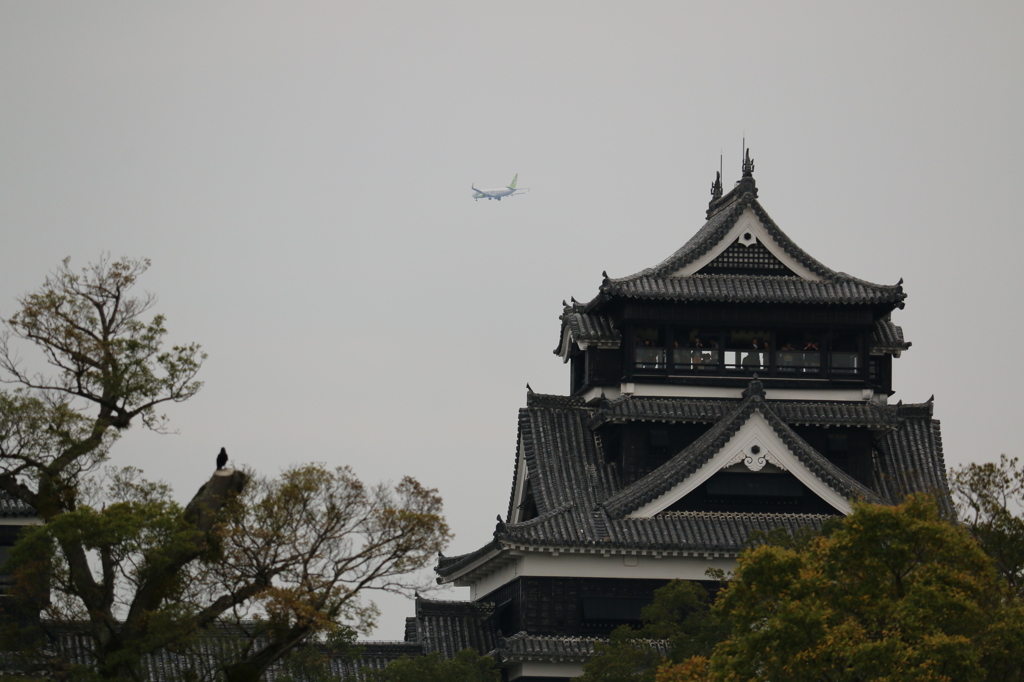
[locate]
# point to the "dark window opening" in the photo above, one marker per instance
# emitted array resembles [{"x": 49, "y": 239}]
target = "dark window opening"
[
  {"x": 746, "y": 350},
  {"x": 845, "y": 353},
  {"x": 613, "y": 609},
  {"x": 798, "y": 352},
  {"x": 694, "y": 352},
  {"x": 649, "y": 348}
]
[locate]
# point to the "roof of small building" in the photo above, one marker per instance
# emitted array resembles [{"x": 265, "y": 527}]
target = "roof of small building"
[
  {"x": 12, "y": 507},
  {"x": 448, "y": 627},
  {"x": 203, "y": 657}
]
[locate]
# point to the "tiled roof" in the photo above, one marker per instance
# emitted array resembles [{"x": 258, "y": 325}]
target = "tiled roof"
[
  {"x": 911, "y": 458},
  {"x": 524, "y": 647},
  {"x": 581, "y": 501},
  {"x": 598, "y": 330},
  {"x": 448, "y": 627},
  {"x": 374, "y": 656},
  {"x": 752, "y": 289},
  {"x": 701, "y": 410},
  {"x": 687, "y": 462},
  {"x": 887, "y": 337},
  {"x": 202, "y": 656},
  {"x": 658, "y": 282},
  {"x": 13, "y": 507}
]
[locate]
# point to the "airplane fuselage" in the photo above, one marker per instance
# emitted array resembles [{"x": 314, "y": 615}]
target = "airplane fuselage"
[
  {"x": 500, "y": 192},
  {"x": 493, "y": 193}
]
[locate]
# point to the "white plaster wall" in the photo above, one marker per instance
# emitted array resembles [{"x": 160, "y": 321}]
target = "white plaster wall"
[
  {"x": 543, "y": 669},
  {"x": 672, "y": 391}
]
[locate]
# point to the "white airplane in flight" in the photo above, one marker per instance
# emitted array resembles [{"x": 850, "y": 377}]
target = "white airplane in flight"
[{"x": 509, "y": 191}]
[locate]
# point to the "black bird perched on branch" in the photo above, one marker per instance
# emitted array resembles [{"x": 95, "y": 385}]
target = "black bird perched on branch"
[{"x": 222, "y": 458}]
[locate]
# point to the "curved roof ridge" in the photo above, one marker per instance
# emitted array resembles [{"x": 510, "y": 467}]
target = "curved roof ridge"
[
  {"x": 700, "y": 243},
  {"x": 718, "y": 226},
  {"x": 540, "y": 518},
  {"x": 680, "y": 467}
]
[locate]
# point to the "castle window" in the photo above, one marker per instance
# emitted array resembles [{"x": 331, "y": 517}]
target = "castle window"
[
  {"x": 649, "y": 348},
  {"x": 746, "y": 350},
  {"x": 694, "y": 352},
  {"x": 797, "y": 352},
  {"x": 845, "y": 353}
]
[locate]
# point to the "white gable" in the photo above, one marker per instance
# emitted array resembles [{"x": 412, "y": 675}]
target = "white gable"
[
  {"x": 755, "y": 445},
  {"x": 748, "y": 230},
  {"x": 519, "y": 494}
]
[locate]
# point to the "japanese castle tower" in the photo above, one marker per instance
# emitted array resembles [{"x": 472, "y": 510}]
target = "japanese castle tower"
[{"x": 737, "y": 385}]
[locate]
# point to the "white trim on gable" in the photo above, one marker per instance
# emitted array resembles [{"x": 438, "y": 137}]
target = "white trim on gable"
[
  {"x": 748, "y": 223},
  {"x": 517, "y": 495},
  {"x": 755, "y": 432}
]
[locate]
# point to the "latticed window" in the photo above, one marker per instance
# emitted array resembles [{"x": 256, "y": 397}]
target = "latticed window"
[{"x": 746, "y": 260}]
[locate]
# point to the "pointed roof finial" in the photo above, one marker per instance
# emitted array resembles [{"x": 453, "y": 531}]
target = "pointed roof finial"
[
  {"x": 716, "y": 186},
  {"x": 748, "y": 164}
]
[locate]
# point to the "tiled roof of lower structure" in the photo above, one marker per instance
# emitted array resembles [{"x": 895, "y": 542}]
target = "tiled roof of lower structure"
[
  {"x": 628, "y": 408},
  {"x": 448, "y": 627},
  {"x": 572, "y": 480},
  {"x": 696, "y": 533},
  {"x": 203, "y": 657},
  {"x": 753, "y": 289},
  {"x": 908, "y": 461},
  {"x": 12, "y": 507},
  {"x": 524, "y": 647},
  {"x": 374, "y": 656}
]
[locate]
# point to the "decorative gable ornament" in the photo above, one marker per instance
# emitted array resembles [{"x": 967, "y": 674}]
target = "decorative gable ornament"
[
  {"x": 747, "y": 231},
  {"x": 755, "y": 444},
  {"x": 754, "y": 457}
]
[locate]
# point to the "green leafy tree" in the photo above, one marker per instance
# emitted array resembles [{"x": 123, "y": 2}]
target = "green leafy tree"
[
  {"x": 896, "y": 593},
  {"x": 990, "y": 502},
  {"x": 466, "y": 666},
  {"x": 284, "y": 560}
]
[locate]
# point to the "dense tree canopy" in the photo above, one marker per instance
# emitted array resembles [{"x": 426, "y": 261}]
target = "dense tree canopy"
[
  {"x": 896, "y": 593},
  {"x": 284, "y": 560}
]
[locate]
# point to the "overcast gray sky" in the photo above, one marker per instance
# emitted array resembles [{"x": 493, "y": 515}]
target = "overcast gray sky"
[{"x": 299, "y": 174}]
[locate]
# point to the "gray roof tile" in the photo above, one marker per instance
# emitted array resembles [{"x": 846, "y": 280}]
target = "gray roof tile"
[
  {"x": 752, "y": 289},
  {"x": 581, "y": 501},
  {"x": 887, "y": 337},
  {"x": 657, "y": 283},
  {"x": 680, "y": 467},
  {"x": 13, "y": 507},
  {"x": 448, "y": 627}
]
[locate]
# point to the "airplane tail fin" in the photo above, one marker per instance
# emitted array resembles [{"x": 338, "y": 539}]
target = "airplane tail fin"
[{"x": 513, "y": 185}]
